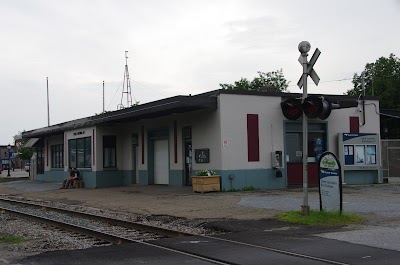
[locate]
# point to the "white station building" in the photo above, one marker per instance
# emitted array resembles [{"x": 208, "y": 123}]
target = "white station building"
[{"x": 242, "y": 136}]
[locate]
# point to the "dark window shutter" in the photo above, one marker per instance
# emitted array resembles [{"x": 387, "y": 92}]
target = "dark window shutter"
[
  {"x": 354, "y": 125},
  {"x": 252, "y": 138}
]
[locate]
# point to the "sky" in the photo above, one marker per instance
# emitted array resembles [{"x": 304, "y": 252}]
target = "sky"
[{"x": 175, "y": 47}]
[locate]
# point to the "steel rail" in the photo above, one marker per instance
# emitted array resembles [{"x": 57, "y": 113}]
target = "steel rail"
[
  {"x": 112, "y": 221},
  {"x": 108, "y": 237},
  {"x": 71, "y": 227}
]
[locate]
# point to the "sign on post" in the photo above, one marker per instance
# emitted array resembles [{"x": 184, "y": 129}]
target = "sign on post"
[
  {"x": 330, "y": 182},
  {"x": 310, "y": 70}
]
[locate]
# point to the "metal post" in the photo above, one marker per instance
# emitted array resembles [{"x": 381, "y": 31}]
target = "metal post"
[
  {"x": 103, "y": 98},
  {"x": 304, "y": 48},
  {"x": 9, "y": 160},
  {"x": 363, "y": 82},
  {"x": 48, "y": 108}
]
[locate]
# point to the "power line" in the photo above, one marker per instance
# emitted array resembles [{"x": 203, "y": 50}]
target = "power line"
[{"x": 335, "y": 80}]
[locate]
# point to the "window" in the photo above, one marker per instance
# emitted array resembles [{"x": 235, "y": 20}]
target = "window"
[
  {"x": 294, "y": 145},
  {"x": 80, "y": 152},
  {"x": 40, "y": 160},
  {"x": 57, "y": 156},
  {"x": 109, "y": 151}
]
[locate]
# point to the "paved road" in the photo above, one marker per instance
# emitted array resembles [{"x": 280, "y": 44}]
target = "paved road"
[
  {"x": 379, "y": 203},
  {"x": 17, "y": 173}
]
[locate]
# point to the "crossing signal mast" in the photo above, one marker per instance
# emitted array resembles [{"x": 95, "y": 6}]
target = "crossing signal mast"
[
  {"x": 126, "y": 87},
  {"x": 312, "y": 106}
]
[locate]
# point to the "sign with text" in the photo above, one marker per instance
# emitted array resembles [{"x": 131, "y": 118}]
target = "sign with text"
[
  {"x": 330, "y": 182},
  {"x": 202, "y": 155}
]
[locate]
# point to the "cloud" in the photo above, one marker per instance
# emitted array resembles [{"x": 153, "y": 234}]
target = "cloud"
[{"x": 267, "y": 33}]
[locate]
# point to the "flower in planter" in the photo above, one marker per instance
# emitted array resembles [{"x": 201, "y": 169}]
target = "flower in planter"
[{"x": 205, "y": 173}]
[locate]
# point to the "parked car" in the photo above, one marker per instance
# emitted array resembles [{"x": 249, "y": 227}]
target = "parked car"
[{"x": 27, "y": 167}]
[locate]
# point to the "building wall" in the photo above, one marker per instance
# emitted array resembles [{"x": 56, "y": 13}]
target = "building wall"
[
  {"x": 338, "y": 122},
  {"x": 206, "y": 134},
  {"x": 237, "y": 171},
  {"x": 372, "y": 125},
  {"x": 222, "y": 131}
]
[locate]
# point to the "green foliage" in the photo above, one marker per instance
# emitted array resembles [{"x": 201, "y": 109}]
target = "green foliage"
[
  {"x": 11, "y": 238},
  {"x": 323, "y": 218},
  {"x": 24, "y": 153},
  {"x": 205, "y": 173},
  {"x": 250, "y": 188},
  {"x": 271, "y": 81},
  {"x": 382, "y": 78}
]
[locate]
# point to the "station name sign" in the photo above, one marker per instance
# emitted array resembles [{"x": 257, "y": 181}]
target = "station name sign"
[
  {"x": 79, "y": 133},
  {"x": 330, "y": 182}
]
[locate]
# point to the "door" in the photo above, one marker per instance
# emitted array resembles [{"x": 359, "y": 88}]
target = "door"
[
  {"x": 394, "y": 161},
  {"x": 294, "y": 156},
  {"x": 188, "y": 163},
  {"x": 135, "y": 163},
  {"x": 161, "y": 169}
]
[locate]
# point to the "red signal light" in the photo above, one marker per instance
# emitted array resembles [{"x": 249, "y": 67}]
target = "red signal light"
[
  {"x": 312, "y": 107},
  {"x": 291, "y": 108}
]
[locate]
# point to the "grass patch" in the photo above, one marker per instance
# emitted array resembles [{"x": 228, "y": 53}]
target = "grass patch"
[
  {"x": 5, "y": 238},
  {"x": 321, "y": 218},
  {"x": 250, "y": 188}
]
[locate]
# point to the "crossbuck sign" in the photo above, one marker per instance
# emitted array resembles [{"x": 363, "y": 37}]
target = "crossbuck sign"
[{"x": 310, "y": 70}]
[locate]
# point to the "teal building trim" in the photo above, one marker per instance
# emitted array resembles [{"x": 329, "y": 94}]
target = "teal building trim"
[
  {"x": 230, "y": 179},
  {"x": 53, "y": 175},
  {"x": 176, "y": 178},
  {"x": 257, "y": 178},
  {"x": 360, "y": 177},
  {"x": 143, "y": 177},
  {"x": 128, "y": 177},
  {"x": 109, "y": 178}
]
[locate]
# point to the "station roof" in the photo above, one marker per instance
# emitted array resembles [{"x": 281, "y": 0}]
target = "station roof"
[{"x": 177, "y": 104}]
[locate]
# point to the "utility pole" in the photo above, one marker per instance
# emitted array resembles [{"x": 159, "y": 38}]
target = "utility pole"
[
  {"x": 363, "y": 82},
  {"x": 48, "y": 108},
  {"x": 103, "y": 97}
]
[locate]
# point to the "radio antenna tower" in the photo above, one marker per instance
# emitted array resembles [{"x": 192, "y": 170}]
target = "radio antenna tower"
[{"x": 126, "y": 87}]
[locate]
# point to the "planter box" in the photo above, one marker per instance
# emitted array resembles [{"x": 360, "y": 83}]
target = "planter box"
[{"x": 206, "y": 183}]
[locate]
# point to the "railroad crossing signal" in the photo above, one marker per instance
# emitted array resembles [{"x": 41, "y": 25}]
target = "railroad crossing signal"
[
  {"x": 310, "y": 70},
  {"x": 312, "y": 106}
]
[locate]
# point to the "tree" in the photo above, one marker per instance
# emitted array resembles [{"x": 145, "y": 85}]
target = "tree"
[
  {"x": 382, "y": 78},
  {"x": 271, "y": 81},
  {"x": 24, "y": 153}
]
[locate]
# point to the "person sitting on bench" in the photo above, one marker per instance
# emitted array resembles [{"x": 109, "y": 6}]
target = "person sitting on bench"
[{"x": 69, "y": 181}]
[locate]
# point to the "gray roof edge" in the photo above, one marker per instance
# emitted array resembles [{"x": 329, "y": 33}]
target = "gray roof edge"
[{"x": 114, "y": 115}]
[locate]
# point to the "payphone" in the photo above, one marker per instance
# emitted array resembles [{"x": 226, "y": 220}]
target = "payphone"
[{"x": 277, "y": 159}]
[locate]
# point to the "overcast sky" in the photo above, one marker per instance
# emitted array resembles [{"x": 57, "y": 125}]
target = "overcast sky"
[{"x": 176, "y": 47}]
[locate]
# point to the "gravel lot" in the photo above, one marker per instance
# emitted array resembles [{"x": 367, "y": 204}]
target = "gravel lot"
[{"x": 379, "y": 203}]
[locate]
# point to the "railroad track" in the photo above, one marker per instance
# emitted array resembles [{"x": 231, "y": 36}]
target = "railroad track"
[{"x": 115, "y": 231}]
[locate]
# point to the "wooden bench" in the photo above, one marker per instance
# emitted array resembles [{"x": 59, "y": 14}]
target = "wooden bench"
[{"x": 78, "y": 184}]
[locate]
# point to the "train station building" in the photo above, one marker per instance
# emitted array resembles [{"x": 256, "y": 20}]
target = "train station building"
[{"x": 242, "y": 136}]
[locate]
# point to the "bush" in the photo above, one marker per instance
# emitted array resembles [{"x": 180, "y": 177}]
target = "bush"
[{"x": 205, "y": 173}]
